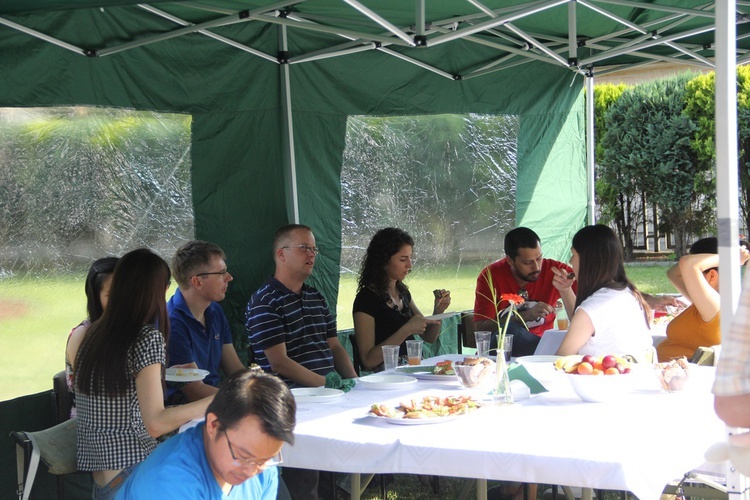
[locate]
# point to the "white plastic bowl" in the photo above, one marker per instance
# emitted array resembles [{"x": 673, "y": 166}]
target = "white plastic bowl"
[{"x": 600, "y": 388}]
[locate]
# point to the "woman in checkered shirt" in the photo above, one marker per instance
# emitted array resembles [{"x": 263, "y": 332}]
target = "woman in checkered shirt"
[{"x": 118, "y": 379}]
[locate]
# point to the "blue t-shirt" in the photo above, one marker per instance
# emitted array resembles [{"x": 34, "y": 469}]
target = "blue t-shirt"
[
  {"x": 190, "y": 342},
  {"x": 179, "y": 469},
  {"x": 277, "y": 315}
]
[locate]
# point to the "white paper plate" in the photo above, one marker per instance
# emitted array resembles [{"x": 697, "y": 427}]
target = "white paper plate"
[
  {"x": 441, "y": 316},
  {"x": 424, "y": 372},
  {"x": 185, "y": 374},
  {"x": 384, "y": 382},
  {"x": 539, "y": 358},
  {"x": 315, "y": 394},
  {"x": 415, "y": 421}
]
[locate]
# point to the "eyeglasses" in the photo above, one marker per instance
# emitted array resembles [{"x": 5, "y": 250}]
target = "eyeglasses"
[
  {"x": 524, "y": 293},
  {"x": 219, "y": 273},
  {"x": 245, "y": 462},
  {"x": 305, "y": 248}
]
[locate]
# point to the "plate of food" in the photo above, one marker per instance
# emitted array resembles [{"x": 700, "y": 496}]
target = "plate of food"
[
  {"x": 385, "y": 382},
  {"x": 428, "y": 410},
  {"x": 185, "y": 374},
  {"x": 316, "y": 394},
  {"x": 442, "y": 371}
]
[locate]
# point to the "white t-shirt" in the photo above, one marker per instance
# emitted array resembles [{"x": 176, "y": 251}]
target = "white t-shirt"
[{"x": 619, "y": 324}]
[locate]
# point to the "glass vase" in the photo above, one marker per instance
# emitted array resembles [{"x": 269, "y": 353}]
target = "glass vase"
[{"x": 501, "y": 393}]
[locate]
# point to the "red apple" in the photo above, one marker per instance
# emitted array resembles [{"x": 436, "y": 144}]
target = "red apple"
[
  {"x": 609, "y": 362},
  {"x": 588, "y": 358}
]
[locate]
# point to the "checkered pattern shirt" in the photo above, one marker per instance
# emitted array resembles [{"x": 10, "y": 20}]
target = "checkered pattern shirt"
[
  {"x": 733, "y": 370},
  {"x": 275, "y": 314},
  {"x": 111, "y": 433}
]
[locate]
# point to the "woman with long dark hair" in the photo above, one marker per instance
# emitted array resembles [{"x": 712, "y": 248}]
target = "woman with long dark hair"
[
  {"x": 384, "y": 312},
  {"x": 98, "y": 283},
  {"x": 118, "y": 376},
  {"x": 610, "y": 316}
]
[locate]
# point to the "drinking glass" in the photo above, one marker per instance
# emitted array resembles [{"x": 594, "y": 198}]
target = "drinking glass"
[
  {"x": 508, "y": 347},
  {"x": 414, "y": 351},
  {"x": 390, "y": 357},
  {"x": 483, "y": 342}
]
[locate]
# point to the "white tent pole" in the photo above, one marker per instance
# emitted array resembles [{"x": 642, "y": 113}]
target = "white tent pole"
[
  {"x": 591, "y": 210},
  {"x": 286, "y": 105},
  {"x": 726, "y": 186},
  {"x": 726, "y": 161}
]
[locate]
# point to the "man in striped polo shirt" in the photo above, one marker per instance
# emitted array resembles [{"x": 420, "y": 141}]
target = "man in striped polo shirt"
[{"x": 293, "y": 333}]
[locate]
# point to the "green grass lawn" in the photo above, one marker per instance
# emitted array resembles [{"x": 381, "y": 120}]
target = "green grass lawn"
[{"x": 37, "y": 314}]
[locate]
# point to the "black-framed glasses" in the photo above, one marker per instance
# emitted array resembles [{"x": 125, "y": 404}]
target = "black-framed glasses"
[
  {"x": 305, "y": 248},
  {"x": 246, "y": 462},
  {"x": 218, "y": 273}
]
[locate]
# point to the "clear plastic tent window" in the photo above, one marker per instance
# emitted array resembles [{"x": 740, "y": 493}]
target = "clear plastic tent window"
[
  {"x": 81, "y": 183},
  {"x": 448, "y": 180}
]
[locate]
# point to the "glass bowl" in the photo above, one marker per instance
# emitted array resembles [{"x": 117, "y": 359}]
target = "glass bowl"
[
  {"x": 673, "y": 375},
  {"x": 474, "y": 373}
]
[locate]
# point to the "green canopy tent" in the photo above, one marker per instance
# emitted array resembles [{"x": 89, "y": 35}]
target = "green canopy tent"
[{"x": 270, "y": 86}]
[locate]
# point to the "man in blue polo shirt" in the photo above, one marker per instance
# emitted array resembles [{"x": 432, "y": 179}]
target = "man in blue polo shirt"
[
  {"x": 200, "y": 335},
  {"x": 232, "y": 455}
]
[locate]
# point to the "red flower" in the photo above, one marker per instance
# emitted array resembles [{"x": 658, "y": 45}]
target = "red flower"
[{"x": 512, "y": 298}]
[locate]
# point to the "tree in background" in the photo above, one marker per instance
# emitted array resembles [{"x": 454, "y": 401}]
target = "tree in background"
[
  {"x": 615, "y": 207},
  {"x": 701, "y": 107},
  {"x": 648, "y": 153}
]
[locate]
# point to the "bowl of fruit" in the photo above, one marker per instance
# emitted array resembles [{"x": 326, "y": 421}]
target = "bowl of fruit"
[
  {"x": 474, "y": 372},
  {"x": 597, "y": 379}
]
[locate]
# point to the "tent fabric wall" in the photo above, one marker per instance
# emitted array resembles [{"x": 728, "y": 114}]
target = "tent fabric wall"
[{"x": 239, "y": 173}]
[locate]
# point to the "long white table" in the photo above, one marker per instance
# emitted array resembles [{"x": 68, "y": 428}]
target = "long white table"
[{"x": 638, "y": 444}]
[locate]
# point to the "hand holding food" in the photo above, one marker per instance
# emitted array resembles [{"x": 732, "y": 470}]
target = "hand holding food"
[{"x": 442, "y": 300}]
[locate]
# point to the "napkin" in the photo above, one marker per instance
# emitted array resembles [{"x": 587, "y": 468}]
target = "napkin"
[
  {"x": 334, "y": 381},
  {"x": 519, "y": 372}
]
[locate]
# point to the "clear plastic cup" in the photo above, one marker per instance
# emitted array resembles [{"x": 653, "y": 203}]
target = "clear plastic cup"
[
  {"x": 390, "y": 357},
  {"x": 483, "y": 342},
  {"x": 414, "y": 351}
]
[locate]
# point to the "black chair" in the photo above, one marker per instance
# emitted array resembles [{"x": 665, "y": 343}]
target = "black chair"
[
  {"x": 465, "y": 337},
  {"x": 62, "y": 397}
]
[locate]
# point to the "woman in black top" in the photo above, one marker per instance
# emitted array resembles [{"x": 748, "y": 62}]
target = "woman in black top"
[{"x": 384, "y": 313}]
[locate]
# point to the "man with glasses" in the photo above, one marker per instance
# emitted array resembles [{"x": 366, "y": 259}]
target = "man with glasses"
[
  {"x": 233, "y": 454},
  {"x": 524, "y": 272},
  {"x": 200, "y": 335},
  {"x": 293, "y": 333}
]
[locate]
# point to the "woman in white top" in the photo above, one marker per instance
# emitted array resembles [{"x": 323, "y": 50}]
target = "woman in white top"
[{"x": 611, "y": 316}]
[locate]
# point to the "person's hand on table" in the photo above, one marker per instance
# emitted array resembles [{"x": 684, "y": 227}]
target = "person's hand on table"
[
  {"x": 562, "y": 279},
  {"x": 442, "y": 300}
]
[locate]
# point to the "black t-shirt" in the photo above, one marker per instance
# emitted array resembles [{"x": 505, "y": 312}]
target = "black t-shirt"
[{"x": 387, "y": 319}]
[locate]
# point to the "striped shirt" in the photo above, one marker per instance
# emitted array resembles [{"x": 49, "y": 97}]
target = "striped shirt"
[
  {"x": 733, "y": 369},
  {"x": 303, "y": 322}
]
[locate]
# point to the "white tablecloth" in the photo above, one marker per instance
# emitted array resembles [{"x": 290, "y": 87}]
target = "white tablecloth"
[{"x": 639, "y": 444}]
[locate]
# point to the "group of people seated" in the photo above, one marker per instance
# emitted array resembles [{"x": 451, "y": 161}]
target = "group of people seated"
[{"x": 116, "y": 357}]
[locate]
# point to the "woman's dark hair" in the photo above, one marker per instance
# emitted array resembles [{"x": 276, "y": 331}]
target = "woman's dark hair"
[
  {"x": 136, "y": 299},
  {"x": 705, "y": 245},
  {"x": 601, "y": 264},
  {"x": 384, "y": 245},
  {"x": 249, "y": 392},
  {"x": 98, "y": 272}
]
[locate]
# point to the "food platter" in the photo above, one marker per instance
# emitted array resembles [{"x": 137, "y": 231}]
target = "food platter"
[
  {"x": 425, "y": 372},
  {"x": 386, "y": 382},
  {"x": 316, "y": 394},
  {"x": 185, "y": 374},
  {"x": 414, "y": 421},
  {"x": 427, "y": 410}
]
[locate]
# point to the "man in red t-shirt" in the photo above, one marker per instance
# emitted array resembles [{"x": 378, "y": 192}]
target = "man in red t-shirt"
[{"x": 525, "y": 272}]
